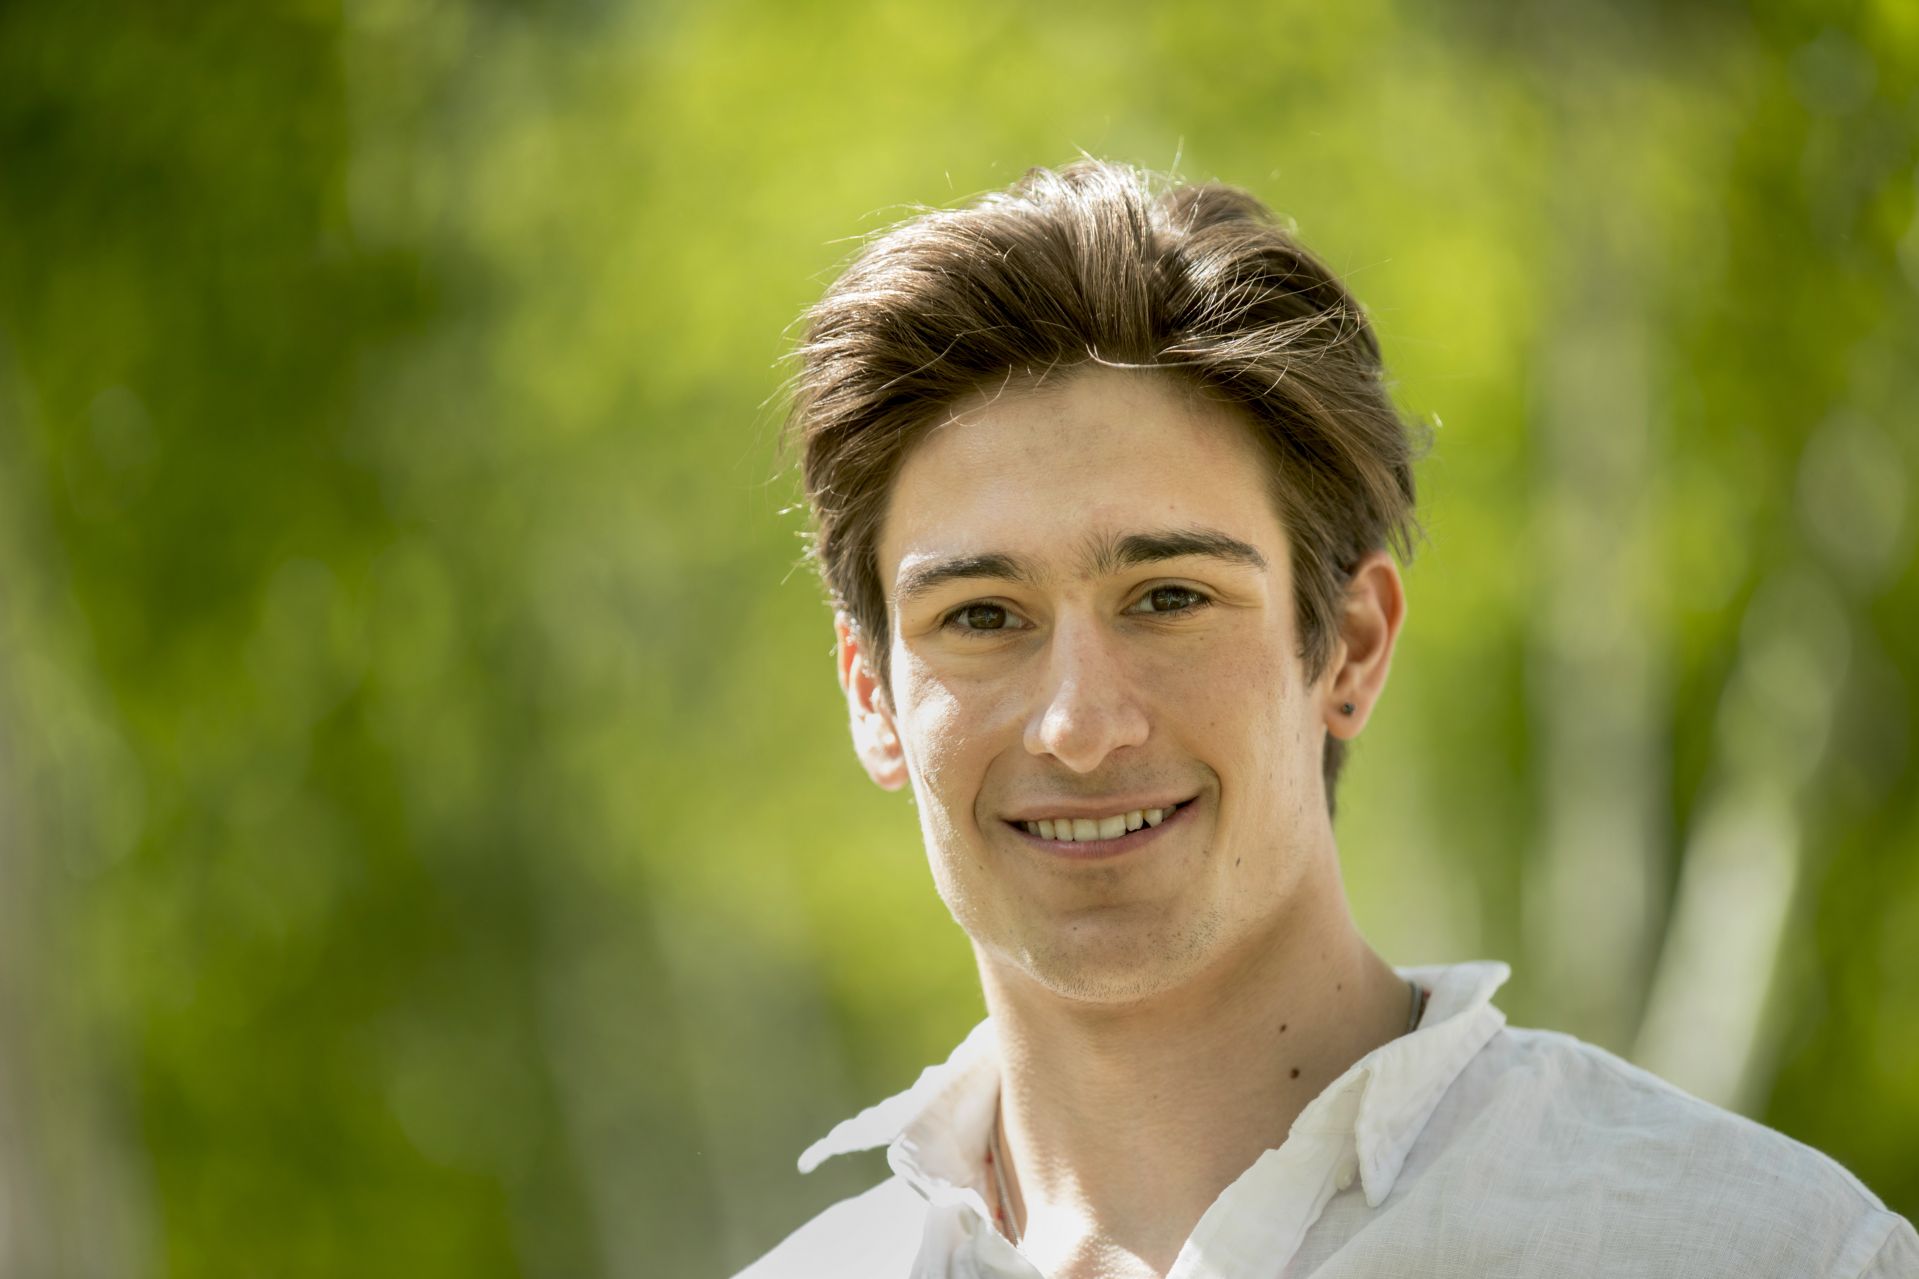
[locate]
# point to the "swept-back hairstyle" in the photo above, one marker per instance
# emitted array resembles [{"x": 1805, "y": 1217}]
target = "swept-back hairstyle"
[{"x": 1102, "y": 262}]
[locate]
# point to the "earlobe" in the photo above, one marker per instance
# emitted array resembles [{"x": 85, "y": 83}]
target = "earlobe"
[
  {"x": 875, "y": 739},
  {"x": 1371, "y": 613}
]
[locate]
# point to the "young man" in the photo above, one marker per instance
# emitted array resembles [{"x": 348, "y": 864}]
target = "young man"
[{"x": 1105, "y": 479}]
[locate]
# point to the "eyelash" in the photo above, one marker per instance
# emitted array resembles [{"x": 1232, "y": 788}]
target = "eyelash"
[
  {"x": 1200, "y": 600},
  {"x": 951, "y": 622}
]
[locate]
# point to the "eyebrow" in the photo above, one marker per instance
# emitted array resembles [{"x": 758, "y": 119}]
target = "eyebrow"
[
  {"x": 922, "y": 579},
  {"x": 1109, "y": 555},
  {"x": 1103, "y": 556}
]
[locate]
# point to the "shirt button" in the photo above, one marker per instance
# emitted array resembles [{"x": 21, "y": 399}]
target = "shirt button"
[{"x": 1348, "y": 1169}]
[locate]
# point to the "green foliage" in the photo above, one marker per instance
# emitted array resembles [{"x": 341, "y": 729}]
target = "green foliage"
[{"x": 429, "y": 840}]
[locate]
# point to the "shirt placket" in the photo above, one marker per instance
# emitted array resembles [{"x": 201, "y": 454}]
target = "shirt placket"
[{"x": 1255, "y": 1227}]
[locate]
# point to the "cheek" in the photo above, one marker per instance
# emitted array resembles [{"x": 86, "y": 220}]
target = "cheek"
[
  {"x": 1234, "y": 687},
  {"x": 940, "y": 731},
  {"x": 1241, "y": 707},
  {"x": 927, "y": 728}
]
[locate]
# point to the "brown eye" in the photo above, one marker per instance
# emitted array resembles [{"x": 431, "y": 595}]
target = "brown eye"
[
  {"x": 981, "y": 617},
  {"x": 1169, "y": 599}
]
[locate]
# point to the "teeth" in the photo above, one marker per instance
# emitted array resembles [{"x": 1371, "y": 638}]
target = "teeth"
[{"x": 1072, "y": 830}]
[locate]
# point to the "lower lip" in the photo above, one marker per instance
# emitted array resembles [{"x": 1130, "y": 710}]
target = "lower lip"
[{"x": 1100, "y": 849}]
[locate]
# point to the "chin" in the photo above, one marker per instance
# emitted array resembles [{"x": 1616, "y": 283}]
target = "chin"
[{"x": 1115, "y": 961}]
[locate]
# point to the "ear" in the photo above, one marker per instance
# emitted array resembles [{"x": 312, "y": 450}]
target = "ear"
[
  {"x": 875, "y": 740},
  {"x": 1369, "y": 621}
]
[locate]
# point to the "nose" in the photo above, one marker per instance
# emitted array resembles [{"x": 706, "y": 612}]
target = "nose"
[{"x": 1088, "y": 707}]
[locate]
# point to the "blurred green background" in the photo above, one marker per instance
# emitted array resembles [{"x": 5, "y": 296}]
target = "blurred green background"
[{"x": 428, "y": 843}]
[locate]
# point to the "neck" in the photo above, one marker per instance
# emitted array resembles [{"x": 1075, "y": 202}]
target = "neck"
[{"x": 1122, "y": 1125}]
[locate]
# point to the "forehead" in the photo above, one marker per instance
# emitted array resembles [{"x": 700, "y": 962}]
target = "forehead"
[{"x": 1039, "y": 470}]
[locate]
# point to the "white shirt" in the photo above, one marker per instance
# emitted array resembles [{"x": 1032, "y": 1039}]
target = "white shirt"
[{"x": 1466, "y": 1148}]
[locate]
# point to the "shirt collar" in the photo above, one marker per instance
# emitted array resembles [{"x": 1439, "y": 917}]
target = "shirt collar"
[{"x": 936, "y": 1131}]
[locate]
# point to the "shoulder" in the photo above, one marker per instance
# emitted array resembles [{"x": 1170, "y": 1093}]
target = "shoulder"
[
  {"x": 1583, "y": 1096},
  {"x": 1625, "y": 1160},
  {"x": 876, "y": 1233}
]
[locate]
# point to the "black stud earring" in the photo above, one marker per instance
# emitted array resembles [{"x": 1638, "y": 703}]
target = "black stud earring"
[{"x": 1347, "y": 709}]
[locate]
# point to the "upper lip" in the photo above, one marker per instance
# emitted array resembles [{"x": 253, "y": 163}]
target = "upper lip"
[{"x": 1041, "y": 809}]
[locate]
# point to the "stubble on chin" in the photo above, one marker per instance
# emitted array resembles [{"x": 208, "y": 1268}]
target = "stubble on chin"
[{"x": 1100, "y": 964}]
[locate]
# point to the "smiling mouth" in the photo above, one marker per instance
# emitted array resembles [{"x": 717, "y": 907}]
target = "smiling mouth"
[{"x": 1088, "y": 830}]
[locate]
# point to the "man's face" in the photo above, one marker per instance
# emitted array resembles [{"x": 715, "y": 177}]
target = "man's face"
[{"x": 1092, "y": 618}]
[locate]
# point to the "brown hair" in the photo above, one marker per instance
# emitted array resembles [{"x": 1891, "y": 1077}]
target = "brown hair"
[{"x": 1104, "y": 262}]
